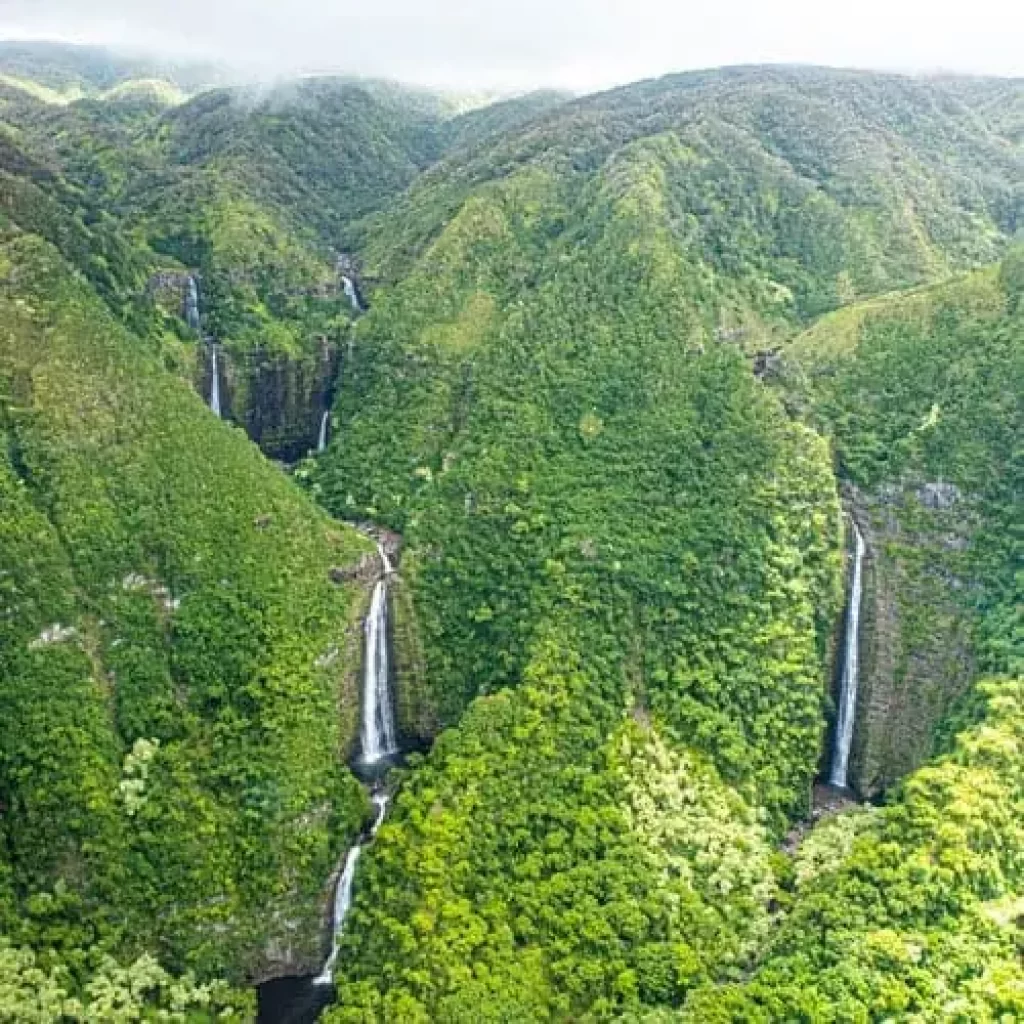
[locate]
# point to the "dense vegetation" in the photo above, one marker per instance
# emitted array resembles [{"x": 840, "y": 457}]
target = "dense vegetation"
[
  {"x": 919, "y": 917},
  {"x": 622, "y": 562},
  {"x": 172, "y": 655},
  {"x": 922, "y": 394},
  {"x": 622, "y": 552}
]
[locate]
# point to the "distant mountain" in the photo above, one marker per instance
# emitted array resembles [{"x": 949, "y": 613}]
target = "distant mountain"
[{"x": 70, "y": 72}]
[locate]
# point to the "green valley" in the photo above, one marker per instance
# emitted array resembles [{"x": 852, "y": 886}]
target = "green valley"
[{"x": 610, "y": 382}]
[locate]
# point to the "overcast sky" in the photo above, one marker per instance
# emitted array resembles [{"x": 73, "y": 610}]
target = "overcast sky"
[{"x": 577, "y": 44}]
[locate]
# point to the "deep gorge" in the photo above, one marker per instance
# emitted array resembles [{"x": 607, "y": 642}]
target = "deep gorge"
[{"x": 446, "y": 554}]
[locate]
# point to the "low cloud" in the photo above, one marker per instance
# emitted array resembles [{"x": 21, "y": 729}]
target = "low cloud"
[{"x": 581, "y": 44}]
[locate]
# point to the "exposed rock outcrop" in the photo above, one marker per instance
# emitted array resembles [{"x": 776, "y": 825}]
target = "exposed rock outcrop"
[
  {"x": 914, "y": 642},
  {"x": 279, "y": 400}
]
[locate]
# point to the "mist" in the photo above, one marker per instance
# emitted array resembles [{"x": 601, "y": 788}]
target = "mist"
[{"x": 574, "y": 44}]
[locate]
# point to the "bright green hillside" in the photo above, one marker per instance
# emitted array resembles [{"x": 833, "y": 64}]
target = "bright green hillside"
[
  {"x": 172, "y": 655},
  {"x": 622, "y": 549},
  {"x": 620, "y": 589}
]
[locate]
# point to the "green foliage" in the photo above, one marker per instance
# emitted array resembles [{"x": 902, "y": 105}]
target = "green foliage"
[
  {"x": 607, "y": 517},
  {"x": 621, "y": 571},
  {"x": 30, "y": 994},
  {"x": 927, "y": 389},
  {"x": 921, "y": 920},
  {"x": 552, "y": 858},
  {"x": 517, "y": 475},
  {"x": 169, "y": 731}
]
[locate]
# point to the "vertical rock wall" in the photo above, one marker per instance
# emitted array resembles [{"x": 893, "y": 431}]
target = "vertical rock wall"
[
  {"x": 278, "y": 400},
  {"x": 915, "y": 626}
]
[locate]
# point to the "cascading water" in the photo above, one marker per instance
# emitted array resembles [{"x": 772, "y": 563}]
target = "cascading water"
[
  {"x": 378, "y": 732},
  {"x": 214, "y": 382},
  {"x": 351, "y": 293},
  {"x": 378, "y": 743},
  {"x": 849, "y": 678},
  {"x": 325, "y": 426},
  {"x": 343, "y": 893},
  {"x": 192, "y": 317}
]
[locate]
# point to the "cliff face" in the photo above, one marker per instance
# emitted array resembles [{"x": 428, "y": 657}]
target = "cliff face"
[
  {"x": 915, "y": 625},
  {"x": 417, "y": 714},
  {"x": 278, "y": 400}
]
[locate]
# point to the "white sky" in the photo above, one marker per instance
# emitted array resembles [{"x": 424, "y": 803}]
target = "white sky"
[{"x": 576, "y": 44}]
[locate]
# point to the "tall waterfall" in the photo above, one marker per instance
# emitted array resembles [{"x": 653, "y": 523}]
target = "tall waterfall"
[
  {"x": 351, "y": 293},
  {"x": 214, "y": 383},
  {"x": 378, "y": 741},
  {"x": 325, "y": 426},
  {"x": 343, "y": 893},
  {"x": 378, "y": 731},
  {"x": 848, "y": 680},
  {"x": 192, "y": 317}
]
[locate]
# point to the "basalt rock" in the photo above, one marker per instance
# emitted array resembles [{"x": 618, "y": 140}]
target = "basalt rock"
[
  {"x": 767, "y": 363},
  {"x": 168, "y": 289},
  {"x": 915, "y": 652},
  {"x": 279, "y": 400},
  {"x": 366, "y": 571}
]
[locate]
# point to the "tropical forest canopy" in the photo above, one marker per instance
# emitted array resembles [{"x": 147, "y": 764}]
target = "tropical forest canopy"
[{"x": 624, "y": 371}]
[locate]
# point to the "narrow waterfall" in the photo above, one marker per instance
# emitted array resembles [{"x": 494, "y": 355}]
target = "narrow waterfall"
[
  {"x": 351, "y": 293},
  {"x": 325, "y": 426},
  {"x": 378, "y": 741},
  {"x": 192, "y": 317},
  {"x": 343, "y": 893},
  {"x": 849, "y": 678},
  {"x": 378, "y": 732},
  {"x": 214, "y": 383}
]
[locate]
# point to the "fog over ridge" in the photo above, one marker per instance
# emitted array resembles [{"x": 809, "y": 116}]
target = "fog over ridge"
[{"x": 576, "y": 44}]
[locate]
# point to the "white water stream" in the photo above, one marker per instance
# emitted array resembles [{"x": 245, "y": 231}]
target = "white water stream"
[
  {"x": 215, "y": 384},
  {"x": 378, "y": 740},
  {"x": 851, "y": 669}
]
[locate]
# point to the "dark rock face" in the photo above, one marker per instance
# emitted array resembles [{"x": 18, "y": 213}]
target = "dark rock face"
[
  {"x": 915, "y": 653},
  {"x": 169, "y": 290},
  {"x": 279, "y": 400},
  {"x": 768, "y": 363},
  {"x": 366, "y": 571}
]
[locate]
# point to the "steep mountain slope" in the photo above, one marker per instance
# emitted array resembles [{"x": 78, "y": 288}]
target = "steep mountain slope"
[
  {"x": 251, "y": 191},
  {"x": 176, "y": 660},
  {"x": 622, "y": 554},
  {"x": 922, "y": 395},
  {"x": 764, "y": 190},
  {"x": 596, "y": 394}
]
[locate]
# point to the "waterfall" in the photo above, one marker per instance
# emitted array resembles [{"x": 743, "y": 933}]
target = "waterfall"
[
  {"x": 378, "y": 742},
  {"x": 192, "y": 304},
  {"x": 848, "y": 680},
  {"x": 325, "y": 424},
  {"x": 351, "y": 293},
  {"x": 343, "y": 892},
  {"x": 214, "y": 383},
  {"x": 378, "y": 731}
]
